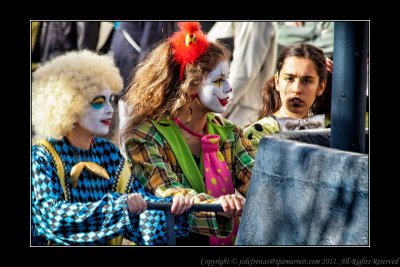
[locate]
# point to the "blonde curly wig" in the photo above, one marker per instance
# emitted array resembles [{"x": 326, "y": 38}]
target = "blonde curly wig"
[{"x": 63, "y": 88}]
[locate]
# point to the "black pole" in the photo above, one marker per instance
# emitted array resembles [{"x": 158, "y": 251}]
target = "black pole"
[
  {"x": 349, "y": 83},
  {"x": 166, "y": 207},
  {"x": 171, "y": 241}
]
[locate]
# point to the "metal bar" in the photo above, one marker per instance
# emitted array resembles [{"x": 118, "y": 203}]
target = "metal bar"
[
  {"x": 349, "y": 83},
  {"x": 166, "y": 207},
  {"x": 196, "y": 207}
]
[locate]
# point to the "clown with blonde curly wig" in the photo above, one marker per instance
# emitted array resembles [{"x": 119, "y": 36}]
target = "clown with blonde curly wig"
[
  {"x": 83, "y": 192},
  {"x": 176, "y": 142},
  {"x": 62, "y": 90}
]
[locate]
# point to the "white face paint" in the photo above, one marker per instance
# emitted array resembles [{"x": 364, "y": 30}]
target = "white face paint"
[
  {"x": 97, "y": 117},
  {"x": 216, "y": 90}
]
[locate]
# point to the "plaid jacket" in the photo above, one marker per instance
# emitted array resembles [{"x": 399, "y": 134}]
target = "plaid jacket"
[{"x": 157, "y": 166}]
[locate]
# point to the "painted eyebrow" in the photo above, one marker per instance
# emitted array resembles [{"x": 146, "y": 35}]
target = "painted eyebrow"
[{"x": 99, "y": 96}]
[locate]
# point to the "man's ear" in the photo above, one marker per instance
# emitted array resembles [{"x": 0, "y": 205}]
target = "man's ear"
[{"x": 321, "y": 88}]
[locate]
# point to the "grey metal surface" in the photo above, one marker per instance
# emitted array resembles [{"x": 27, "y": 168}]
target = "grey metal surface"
[{"x": 305, "y": 194}]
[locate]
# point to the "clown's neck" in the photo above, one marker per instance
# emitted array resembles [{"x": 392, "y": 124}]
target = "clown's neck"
[
  {"x": 80, "y": 137},
  {"x": 197, "y": 122}
]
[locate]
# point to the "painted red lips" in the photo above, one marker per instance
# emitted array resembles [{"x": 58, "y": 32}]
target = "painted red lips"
[
  {"x": 106, "y": 121},
  {"x": 223, "y": 101}
]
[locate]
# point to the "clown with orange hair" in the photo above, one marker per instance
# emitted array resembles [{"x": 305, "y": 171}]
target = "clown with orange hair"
[{"x": 176, "y": 143}]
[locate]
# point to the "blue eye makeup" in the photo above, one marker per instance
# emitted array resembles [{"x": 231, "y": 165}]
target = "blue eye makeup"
[
  {"x": 97, "y": 105},
  {"x": 98, "y": 102}
]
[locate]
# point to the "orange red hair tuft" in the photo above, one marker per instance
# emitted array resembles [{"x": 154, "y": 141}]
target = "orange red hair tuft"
[{"x": 188, "y": 44}]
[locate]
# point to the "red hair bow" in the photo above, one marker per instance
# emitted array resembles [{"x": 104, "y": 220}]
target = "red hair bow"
[{"x": 188, "y": 44}]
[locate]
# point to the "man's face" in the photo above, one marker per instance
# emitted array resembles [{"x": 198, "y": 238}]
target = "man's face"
[{"x": 298, "y": 85}]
